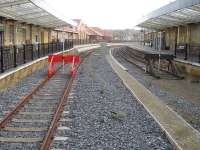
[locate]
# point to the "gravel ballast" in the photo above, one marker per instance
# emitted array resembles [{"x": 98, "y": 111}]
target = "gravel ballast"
[
  {"x": 27, "y": 127},
  {"x": 105, "y": 115},
  {"x": 11, "y": 95},
  {"x": 184, "y": 107}
]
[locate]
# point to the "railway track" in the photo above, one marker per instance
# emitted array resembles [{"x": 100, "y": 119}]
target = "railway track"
[
  {"x": 33, "y": 120},
  {"x": 139, "y": 61}
]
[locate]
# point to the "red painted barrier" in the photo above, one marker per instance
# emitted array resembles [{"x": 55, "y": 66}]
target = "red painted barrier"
[{"x": 56, "y": 58}]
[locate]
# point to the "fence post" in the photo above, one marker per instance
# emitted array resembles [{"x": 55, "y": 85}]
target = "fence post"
[
  {"x": 32, "y": 52},
  {"x": 56, "y": 46},
  {"x": 48, "y": 48},
  {"x": 175, "y": 50},
  {"x": 38, "y": 50},
  {"x": 68, "y": 44},
  {"x": 2, "y": 69},
  {"x": 43, "y": 49},
  {"x": 52, "y": 47},
  {"x": 65, "y": 45},
  {"x": 15, "y": 56},
  {"x": 24, "y": 53},
  {"x": 186, "y": 52}
]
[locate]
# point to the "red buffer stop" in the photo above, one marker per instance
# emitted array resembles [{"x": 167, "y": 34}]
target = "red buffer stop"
[{"x": 67, "y": 59}]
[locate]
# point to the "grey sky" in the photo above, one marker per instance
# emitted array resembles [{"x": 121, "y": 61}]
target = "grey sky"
[{"x": 108, "y": 14}]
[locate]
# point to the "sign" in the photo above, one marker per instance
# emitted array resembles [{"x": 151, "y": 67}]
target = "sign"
[
  {"x": 20, "y": 29},
  {"x": 1, "y": 27}
]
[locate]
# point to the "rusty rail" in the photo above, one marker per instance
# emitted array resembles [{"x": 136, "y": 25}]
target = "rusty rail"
[
  {"x": 21, "y": 103},
  {"x": 48, "y": 138}
]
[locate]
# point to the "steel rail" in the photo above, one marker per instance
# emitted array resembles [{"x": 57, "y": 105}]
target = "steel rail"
[
  {"x": 49, "y": 136},
  {"x": 47, "y": 139},
  {"x": 23, "y": 101},
  {"x": 138, "y": 62}
]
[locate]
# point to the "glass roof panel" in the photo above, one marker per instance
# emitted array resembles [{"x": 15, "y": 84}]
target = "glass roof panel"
[
  {"x": 28, "y": 11},
  {"x": 184, "y": 15}
]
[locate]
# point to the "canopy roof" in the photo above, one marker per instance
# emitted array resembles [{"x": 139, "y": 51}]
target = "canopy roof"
[
  {"x": 36, "y": 12},
  {"x": 176, "y": 13}
]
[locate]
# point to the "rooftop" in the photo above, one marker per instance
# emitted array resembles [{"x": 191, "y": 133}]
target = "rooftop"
[
  {"x": 36, "y": 12},
  {"x": 176, "y": 13}
]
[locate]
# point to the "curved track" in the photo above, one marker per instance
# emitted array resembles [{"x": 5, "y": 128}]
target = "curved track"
[{"x": 139, "y": 61}]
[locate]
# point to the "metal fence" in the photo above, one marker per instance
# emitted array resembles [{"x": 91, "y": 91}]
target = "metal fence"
[
  {"x": 193, "y": 54},
  {"x": 13, "y": 56}
]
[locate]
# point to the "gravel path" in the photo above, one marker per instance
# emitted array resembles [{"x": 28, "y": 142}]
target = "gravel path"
[
  {"x": 104, "y": 114},
  {"x": 184, "y": 107}
]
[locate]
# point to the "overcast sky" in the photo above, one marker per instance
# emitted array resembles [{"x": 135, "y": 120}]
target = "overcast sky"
[{"x": 107, "y": 14}]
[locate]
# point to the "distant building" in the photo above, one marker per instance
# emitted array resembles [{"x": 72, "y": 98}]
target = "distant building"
[
  {"x": 102, "y": 34},
  {"x": 126, "y": 35},
  {"x": 91, "y": 33},
  {"x": 81, "y": 28},
  {"x": 65, "y": 32}
]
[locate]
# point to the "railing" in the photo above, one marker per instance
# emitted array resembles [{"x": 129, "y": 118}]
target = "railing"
[
  {"x": 193, "y": 54},
  {"x": 181, "y": 51},
  {"x": 13, "y": 56}
]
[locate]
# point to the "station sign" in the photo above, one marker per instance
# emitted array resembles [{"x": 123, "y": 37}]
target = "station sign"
[{"x": 20, "y": 29}]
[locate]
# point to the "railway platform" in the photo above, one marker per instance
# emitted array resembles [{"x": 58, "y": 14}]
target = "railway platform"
[
  {"x": 105, "y": 107},
  {"x": 11, "y": 76},
  {"x": 187, "y": 67},
  {"x": 168, "y": 119}
]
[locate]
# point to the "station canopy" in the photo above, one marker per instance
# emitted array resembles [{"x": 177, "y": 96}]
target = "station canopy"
[
  {"x": 179, "y": 12},
  {"x": 37, "y": 12}
]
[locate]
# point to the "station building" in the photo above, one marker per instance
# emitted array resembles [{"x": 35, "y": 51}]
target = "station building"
[
  {"x": 81, "y": 28},
  {"x": 28, "y": 22},
  {"x": 175, "y": 27},
  {"x": 81, "y": 31},
  {"x": 13, "y": 32},
  {"x": 66, "y": 32},
  {"x": 91, "y": 34},
  {"x": 102, "y": 34}
]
